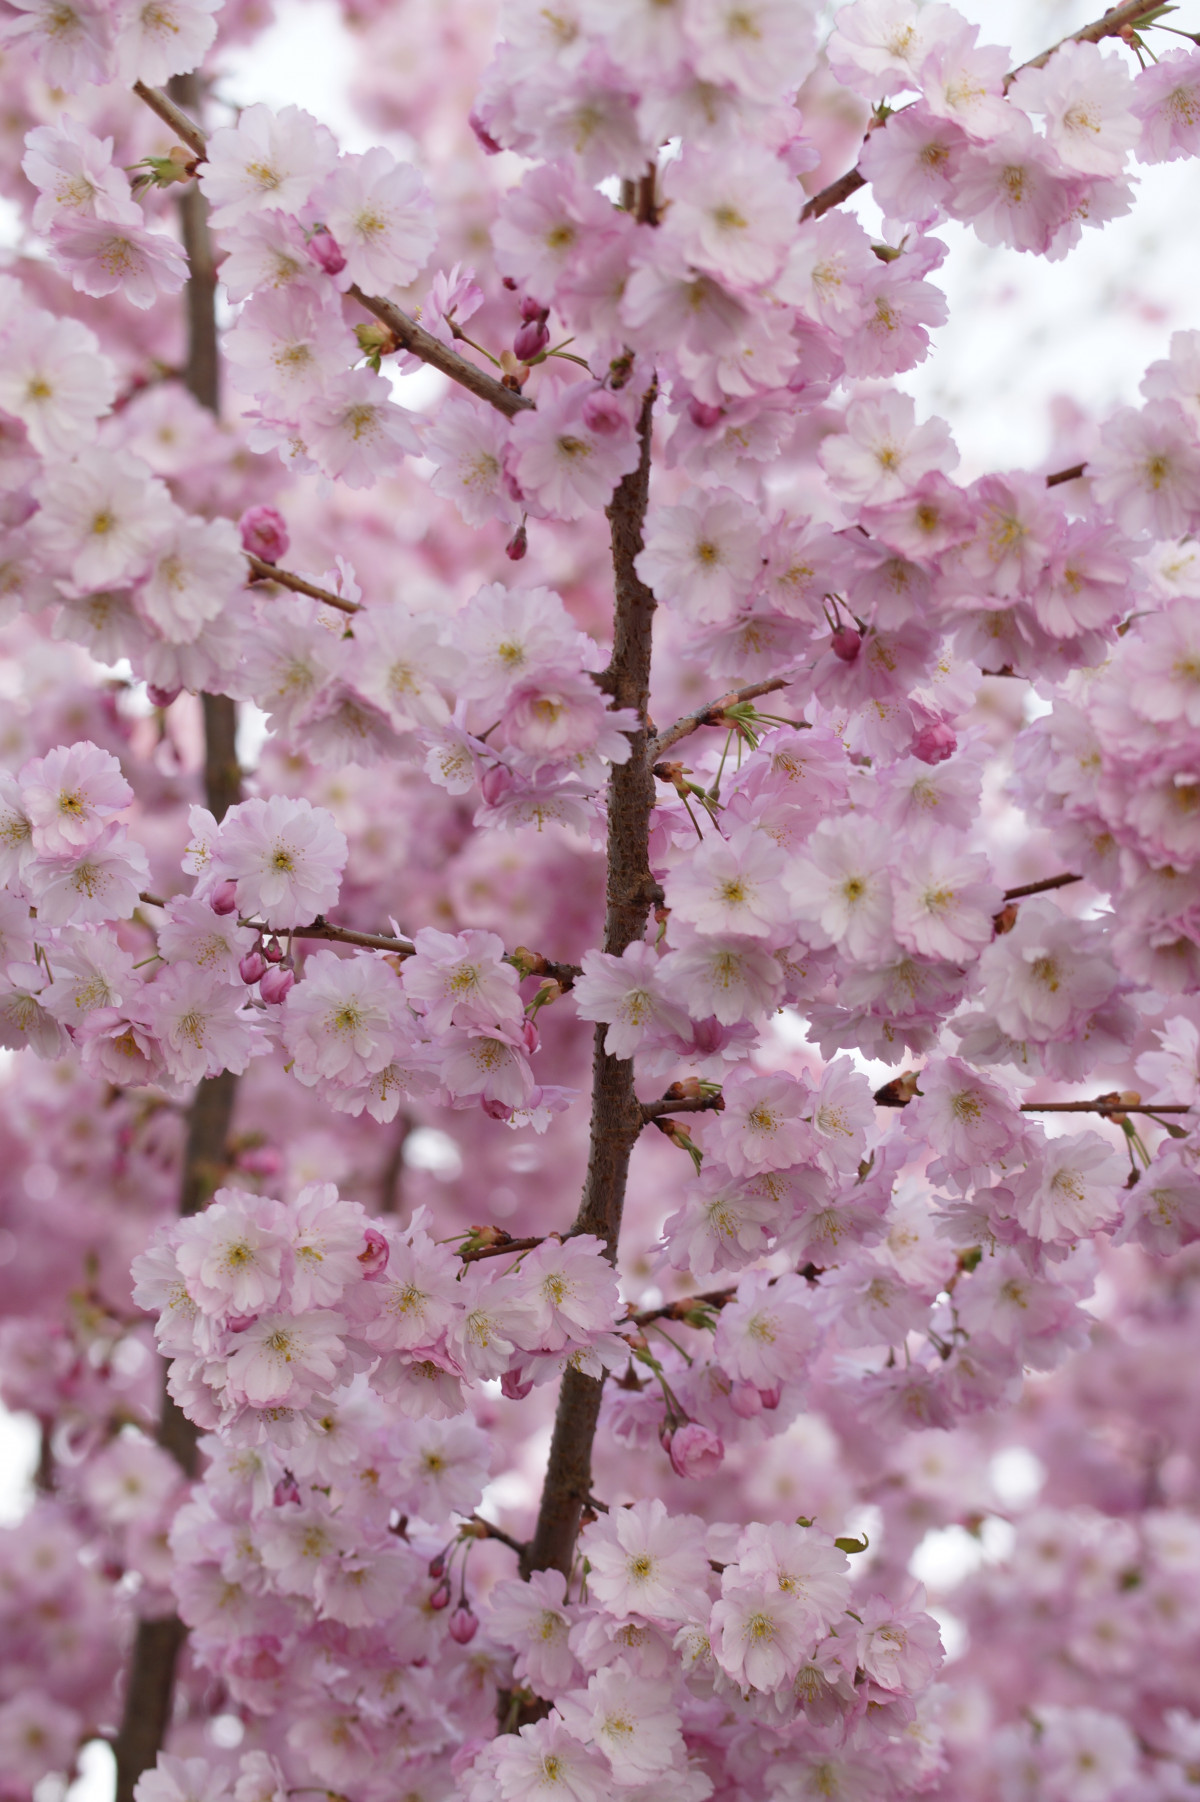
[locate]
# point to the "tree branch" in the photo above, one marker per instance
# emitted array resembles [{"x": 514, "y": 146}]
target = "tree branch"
[
  {"x": 682, "y": 1104},
  {"x": 616, "y": 1119},
  {"x": 711, "y": 714},
  {"x": 1133, "y": 12},
  {"x": 1042, "y": 887},
  {"x": 408, "y": 334},
  {"x": 1065, "y": 475},
  {"x": 185, "y": 128},
  {"x": 414, "y": 338},
  {"x": 270, "y": 572}
]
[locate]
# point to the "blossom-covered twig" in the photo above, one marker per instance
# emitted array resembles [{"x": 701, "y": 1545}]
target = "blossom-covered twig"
[
  {"x": 408, "y": 334},
  {"x": 1113, "y": 23},
  {"x": 712, "y": 714}
]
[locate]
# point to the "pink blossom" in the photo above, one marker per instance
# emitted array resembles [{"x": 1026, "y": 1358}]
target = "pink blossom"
[
  {"x": 561, "y": 463},
  {"x": 1166, "y": 98},
  {"x": 1147, "y": 470},
  {"x": 266, "y": 160},
  {"x": 379, "y": 211},
  {"x": 285, "y": 856}
]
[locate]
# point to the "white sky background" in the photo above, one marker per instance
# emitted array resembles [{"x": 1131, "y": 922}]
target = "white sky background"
[{"x": 1022, "y": 334}]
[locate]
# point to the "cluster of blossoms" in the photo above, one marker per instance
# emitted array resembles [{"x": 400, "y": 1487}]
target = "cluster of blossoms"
[
  {"x": 268, "y": 1311},
  {"x": 820, "y": 1319}
]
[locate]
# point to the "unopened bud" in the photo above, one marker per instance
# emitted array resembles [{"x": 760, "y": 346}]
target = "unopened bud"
[
  {"x": 603, "y": 414},
  {"x": 531, "y": 340},
  {"x": 286, "y": 1490},
  {"x": 252, "y": 967},
  {"x": 275, "y": 984},
  {"x": 375, "y": 1252},
  {"x": 934, "y": 742},
  {"x": 273, "y": 951},
  {"x": 437, "y": 1566},
  {"x": 517, "y": 545},
  {"x": 1005, "y": 920},
  {"x": 325, "y": 251},
  {"x": 486, "y": 142},
  {"x": 529, "y": 1034},
  {"x": 846, "y": 643},
  {"x": 264, "y": 533},
  {"x": 463, "y": 1626},
  {"x": 514, "y": 1387},
  {"x": 771, "y": 1397},
  {"x": 702, "y": 416},
  {"x": 223, "y": 899},
  {"x": 161, "y": 697},
  {"x": 440, "y": 1598}
]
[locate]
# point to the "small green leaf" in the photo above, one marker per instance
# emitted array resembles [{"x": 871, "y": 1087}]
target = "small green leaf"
[{"x": 851, "y": 1546}]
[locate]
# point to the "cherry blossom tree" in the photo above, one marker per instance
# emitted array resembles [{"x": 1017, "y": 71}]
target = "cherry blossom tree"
[{"x": 600, "y": 956}]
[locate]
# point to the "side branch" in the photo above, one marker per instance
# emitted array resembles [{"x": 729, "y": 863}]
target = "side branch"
[
  {"x": 185, "y": 129},
  {"x": 711, "y": 715},
  {"x": 270, "y": 572},
  {"x": 414, "y": 338},
  {"x": 408, "y": 334},
  {"x": 1114, "y": 22},
  {"x": 1042, "y": 887}
]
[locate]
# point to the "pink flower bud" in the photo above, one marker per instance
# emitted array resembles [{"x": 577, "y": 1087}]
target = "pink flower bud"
[
  {"x": 286, "y": 1490},
  {"x": 603, "y": 414},
  {"x": 771, "y": 1397},
  {"x": 745, "y": 1401},
  {"x": 251, "y": 967},
  {"x": 495, "y": 783},
  {"x": 512, "y": 1387},
  {"x": 934, "y": 742},
  {"x": 702, "y": 416},
  {"x": 440, "y": 1598},
  {"x": 846, "y": 643},
  {"x": 483, "y": 137},
  {"x": 325, "y": 251},
  {"x": 529, "y": 1033},
  {"x": 531, "y": 339},
  {"x": 275, "y": 984},
  {"x": 162, "y": 697},
  {"x": 437, "y": 1566},
  {"x": 273, "y": 951},
  {"x": 223, "y": 899},
  {"x": 375, "y": 1253},
  {"x": 264, "y": 533},
  {"x": 517, "y": 545},
  {"x": 260, "y": 1160},
  {"x": 463, "y": 1626},
  {"x": 694, "y": 1451},
  {"x": 496, "y": 1110},
  {"x": 533, "y": 309}
]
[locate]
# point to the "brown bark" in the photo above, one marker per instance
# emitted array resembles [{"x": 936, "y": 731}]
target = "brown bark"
[
  {"x": 157, "y": 1643},
  {"x": 616, "y": 1112}
]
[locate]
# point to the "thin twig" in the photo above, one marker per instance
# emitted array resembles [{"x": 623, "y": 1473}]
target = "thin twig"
[
  {"x": 1065, "y": 475},
  {"x": 1041, "y": 888},
  {"x": 490, "y": 1531},
  {"x": 270, "y": 572},
  {"x": 476, "y": 1253},
  {"x": 711, "y": 714},
  {"x": 413, "y": 337},
  {"x": 408, "y": 334},
  {"x": 184, "y": 128},
  {"x": 1099, "y": 1107},
  {"x": 683, "y": 1104},
  {"x": 1110, "y": 26}
]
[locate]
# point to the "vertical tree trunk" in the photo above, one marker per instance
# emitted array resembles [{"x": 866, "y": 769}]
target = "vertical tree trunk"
[{"x": 157, "y": 1644}]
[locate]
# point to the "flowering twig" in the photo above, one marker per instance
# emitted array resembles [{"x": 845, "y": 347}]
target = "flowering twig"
[
  {"x": 407, "y": 333},
  {"x": 712, "y": 714},
  {"x": 683, "y": 1104},
  {"x": 270, "y": 572},
  {"x": 502, "y": 1246},
  {"x": 1114, "y": 22},
  {"x": 414, "y": 338}
]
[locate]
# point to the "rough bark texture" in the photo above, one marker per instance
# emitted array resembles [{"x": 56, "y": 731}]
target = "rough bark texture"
[
  {"x": 158, "y": 1643},
  {"x": 616, "y": 1114}
]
